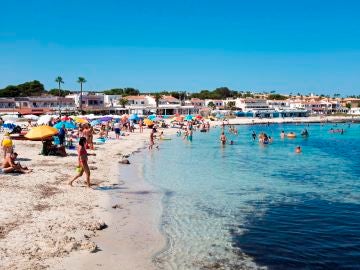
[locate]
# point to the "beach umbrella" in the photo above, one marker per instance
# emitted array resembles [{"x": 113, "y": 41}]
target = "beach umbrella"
[
  {"x": 44, "y": 119},
  {"x": 41, "y": 132},
  {"x": 188, "y": 117},
  {"x": 95, "y": 122},
  {"x": 152, "y": 117},
  {"x": 105, "y": 119},
  {"x": 10, "y": 117},
  {"x": 148, "y": 122},
  {"x": 67, "y": 124},
  {"x": 134, "y": 117},
  {"x": 198, "y": 116},
  {"x": 9, "y": 125},
  {"x": 81, "y": 121},
  {"x": 178, "y": 118},
  {"x": 10, "y": 121},
  {"x": 66, "y": 118},
  {"x": 31, "y": 117}
]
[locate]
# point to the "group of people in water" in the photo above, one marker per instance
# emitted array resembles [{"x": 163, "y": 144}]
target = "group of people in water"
[{"x": 262, "y": 137}]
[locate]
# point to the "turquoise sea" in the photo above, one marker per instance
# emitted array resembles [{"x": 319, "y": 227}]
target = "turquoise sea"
[{"x": 249, "y": 206}]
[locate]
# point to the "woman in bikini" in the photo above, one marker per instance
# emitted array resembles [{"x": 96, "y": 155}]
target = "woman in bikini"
[{"x": 83, "y": 162}]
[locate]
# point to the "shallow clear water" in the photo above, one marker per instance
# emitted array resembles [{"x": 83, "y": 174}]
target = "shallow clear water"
[{"x": 250, "y": 206}]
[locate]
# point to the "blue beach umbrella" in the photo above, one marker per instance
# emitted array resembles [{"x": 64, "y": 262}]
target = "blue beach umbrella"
[
  {"x": 9, "y": 126},
  {"x": 95, "y": 122},
  {"x": 68, "y": 125},
  {"x": 188, "y": 117},
  {"x": 219, "y": 115},
  {"x": 152, "y": 117},
  {"x": 134, "y": 117}
]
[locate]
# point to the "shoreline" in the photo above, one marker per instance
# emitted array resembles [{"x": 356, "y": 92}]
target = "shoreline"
[
  {"x": 45, "y": 224},
  {"x": 133, "y": 235},
  {"x": 43, "y": 232}
]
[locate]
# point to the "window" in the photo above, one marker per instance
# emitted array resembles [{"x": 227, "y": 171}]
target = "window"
[{"x": 143, "y": 102}]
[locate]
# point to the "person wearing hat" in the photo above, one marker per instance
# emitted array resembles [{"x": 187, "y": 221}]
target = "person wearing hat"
[{"x": 7, "y": 144}]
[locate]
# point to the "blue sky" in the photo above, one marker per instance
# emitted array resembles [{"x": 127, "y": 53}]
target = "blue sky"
[{"x": 287, "y": 46}]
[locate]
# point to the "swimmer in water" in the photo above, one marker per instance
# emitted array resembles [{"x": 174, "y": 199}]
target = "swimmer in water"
[
  {"x": 253, "y": 135},
  {"x": 282, "y": 134},
  {"x": 223, "y": 138},
  {"x": 298, "y": 150}
]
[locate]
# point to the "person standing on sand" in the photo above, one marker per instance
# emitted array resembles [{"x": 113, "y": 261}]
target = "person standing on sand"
[
  {"x": 117, "y": 129},
  {"x": 141, "y": 125},
  {"x": 91, "y": 137},
  {"x": 83, "y": 162},
  {"x": 62, "y": 134}
]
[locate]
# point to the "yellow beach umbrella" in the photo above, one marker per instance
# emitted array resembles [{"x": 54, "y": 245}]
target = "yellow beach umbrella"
[
  {"x": 81, "y": 121},
  {"x": 148, "y": 122},
  {"x": 41, "y": 132}
]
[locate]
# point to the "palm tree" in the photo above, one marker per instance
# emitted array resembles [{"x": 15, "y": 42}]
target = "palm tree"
[
  {"x": 81, "y": 80},
  {"x": 157, "y": 97},
  {"x": 59, "y": 80},
  {"x": 123, "y": 102}
]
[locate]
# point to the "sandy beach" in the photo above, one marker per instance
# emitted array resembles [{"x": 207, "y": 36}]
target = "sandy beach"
[
  {"x": 46, "y": 224},
  {"x": 43, "y": 219}
]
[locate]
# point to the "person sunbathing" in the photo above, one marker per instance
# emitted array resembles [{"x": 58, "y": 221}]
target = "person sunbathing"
[{"x": 9, "y": 165}]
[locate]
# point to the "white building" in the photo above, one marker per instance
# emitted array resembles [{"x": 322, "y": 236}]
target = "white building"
[
  {"x": 354, "y": 111},
  {"x": 90, "y": 101},
  {"x": 219, "y": 104},
  {"x": 112, "y": 100},
  {"x": 251, "y": 104},
  {"x": 278, "y": 104}
]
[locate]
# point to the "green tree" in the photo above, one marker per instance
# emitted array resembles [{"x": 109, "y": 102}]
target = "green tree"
[
  {"x": 348, "y": 105},
  {"x": 27, "y": 89},
  {"x": 114, "y": 91},
  {"x": 211, "y": 105},
  {"x": 81, "y": 80},
  {"x": 277, "y": 97},
  {"x": 123, "y": 102},
  {"x": 128, "y": 91},
  {"x": 55, "y": 92},
  {"x": 231, "y": 105},
  {"x": 60, "y": 81}
]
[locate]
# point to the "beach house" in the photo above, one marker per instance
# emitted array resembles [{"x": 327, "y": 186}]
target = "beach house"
[
  {"x": 37, "y": 105},
  {"x": 90, "y": 101}
]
